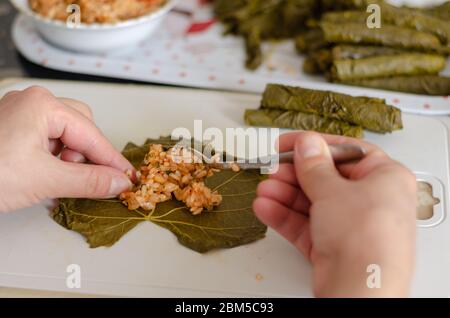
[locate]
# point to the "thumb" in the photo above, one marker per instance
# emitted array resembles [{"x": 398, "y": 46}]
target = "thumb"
[
  {"x": 75, "y": 180},
  {"x": 314, "y": 167}
]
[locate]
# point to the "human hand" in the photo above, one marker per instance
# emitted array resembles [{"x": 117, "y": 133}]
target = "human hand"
[
  {"x": 344, "y": 218},
  {"x": 36, "y": 127}
]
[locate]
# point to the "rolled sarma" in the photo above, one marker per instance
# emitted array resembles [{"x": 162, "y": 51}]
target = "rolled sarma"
[
  {"x": 254, "y": 51},
  {"x": 442, "y": 11},
  {"x": 296, "y": 120},
  {"x": 389, "y": 65},
  {"x": 260, "y": 20},
  {"x": 311, "y": 67},
  {"x": 345, "y": 17},
  {"x": 414, "y": 19},
  {"x": 426, "y": 85},
  {"x": 318, "y": 62},
  {"x": 344, "y": 52},
  {"x": 402, "y": 17},
  {"x": 370, "y": 113},
  {"x": 339, "y": 5},
  {"x": 321, "y": 61},
  {"x": 388, "y": 35},
  {"x": 311, "y": 40}
]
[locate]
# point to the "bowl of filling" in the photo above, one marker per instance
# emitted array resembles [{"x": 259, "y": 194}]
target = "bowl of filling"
[{"x": 95, "y": 26}]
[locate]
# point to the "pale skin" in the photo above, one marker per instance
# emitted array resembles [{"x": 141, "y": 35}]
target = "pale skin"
[
  {"x": 341, "y": 219},
  {"x": 36, "y": 127},
  {"x": 346, "y": 218}
]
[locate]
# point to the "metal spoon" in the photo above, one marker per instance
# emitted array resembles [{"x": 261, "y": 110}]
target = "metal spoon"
[{"x": 341, "y": 153}]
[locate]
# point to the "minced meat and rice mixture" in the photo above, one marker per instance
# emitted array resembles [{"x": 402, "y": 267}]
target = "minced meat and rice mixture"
[
  {"x": 97, "y": 11},
  {"x": 177, "y": 172}
]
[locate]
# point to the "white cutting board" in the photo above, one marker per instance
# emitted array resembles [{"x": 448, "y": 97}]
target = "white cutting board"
[{"x": 35, "y": 251}]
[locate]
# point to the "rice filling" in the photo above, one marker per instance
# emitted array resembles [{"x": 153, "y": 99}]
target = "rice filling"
[
  {"x": 177, "y": 173},
  {"x": 97, "y": 11}
]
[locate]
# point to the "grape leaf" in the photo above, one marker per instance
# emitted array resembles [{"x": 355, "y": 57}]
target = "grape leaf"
[{"x": 233, "y": 223}]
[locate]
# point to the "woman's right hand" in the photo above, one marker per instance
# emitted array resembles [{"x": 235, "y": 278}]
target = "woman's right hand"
[{"x": 344, "y": 219}]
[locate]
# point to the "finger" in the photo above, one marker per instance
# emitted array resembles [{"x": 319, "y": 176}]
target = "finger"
[
  {"x": 285, "y": 194},
  {"x": 78, "y": 106},
  {"x": 356, "y": 171},
  {"x": 87, "y": 181},
  {"x": 286, "y": 173},
  {"x": 55, "y": 146},
  {"x": 348, "y": 170},
  {"x": 286, "y": 142},
  {"x": 81, "y": 135},
  {"x": 314, "y": 166},
  {"x": 68, "y": 154},
  {"x": 293, "y": 226},
  {"x": 72, "y": 156}
]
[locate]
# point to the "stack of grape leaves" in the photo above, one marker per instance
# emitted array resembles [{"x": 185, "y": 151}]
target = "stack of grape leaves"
[{"x": 233, "y": 223}]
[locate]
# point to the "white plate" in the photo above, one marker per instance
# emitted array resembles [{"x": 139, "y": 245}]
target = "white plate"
[
  {"x": 148, "y": 261},
  {"x": 189, "y": 50}
]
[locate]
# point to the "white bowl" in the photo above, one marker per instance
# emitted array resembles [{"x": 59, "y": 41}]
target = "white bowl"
[{"x": 96, "y": 38}]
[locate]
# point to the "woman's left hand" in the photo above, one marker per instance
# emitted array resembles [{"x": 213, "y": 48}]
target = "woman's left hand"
[{"x": 35, "y": 128}]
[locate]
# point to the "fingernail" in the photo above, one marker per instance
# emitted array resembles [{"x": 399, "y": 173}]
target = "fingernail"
[
  {"x": 309, "y": 147},
  {"x": 118, "y": 185}
]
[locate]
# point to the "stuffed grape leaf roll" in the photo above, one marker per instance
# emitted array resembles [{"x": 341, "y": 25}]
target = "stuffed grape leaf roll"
[
  {"x": 414, "y": 19},
  {"x": 310, "y": 66},
  {"x": 254, "y": 51},
  {"x": 426, "y": 85},
  {"x": 296, "y": 120},
  {"x": 385, "y": 66},
  {"x": 260, "y": 20},
  {"x": 318, "y": 62},
  {"x": 442, "y": 11},
  {"x": 321, "y": 61},
  {"x": 388, "y": 35},
  {"x": 339, "y": 5},
  {"x": 344, "y": 52},
  {"x": 370, "y": 113},
  {"x": 353, "y": 16},
  {"x": 311, "y": 40},
  {"x": 402, "y": 17}
]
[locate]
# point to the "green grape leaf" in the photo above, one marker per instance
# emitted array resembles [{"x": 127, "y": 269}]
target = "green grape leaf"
[{"x": 233, "y": 223}]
